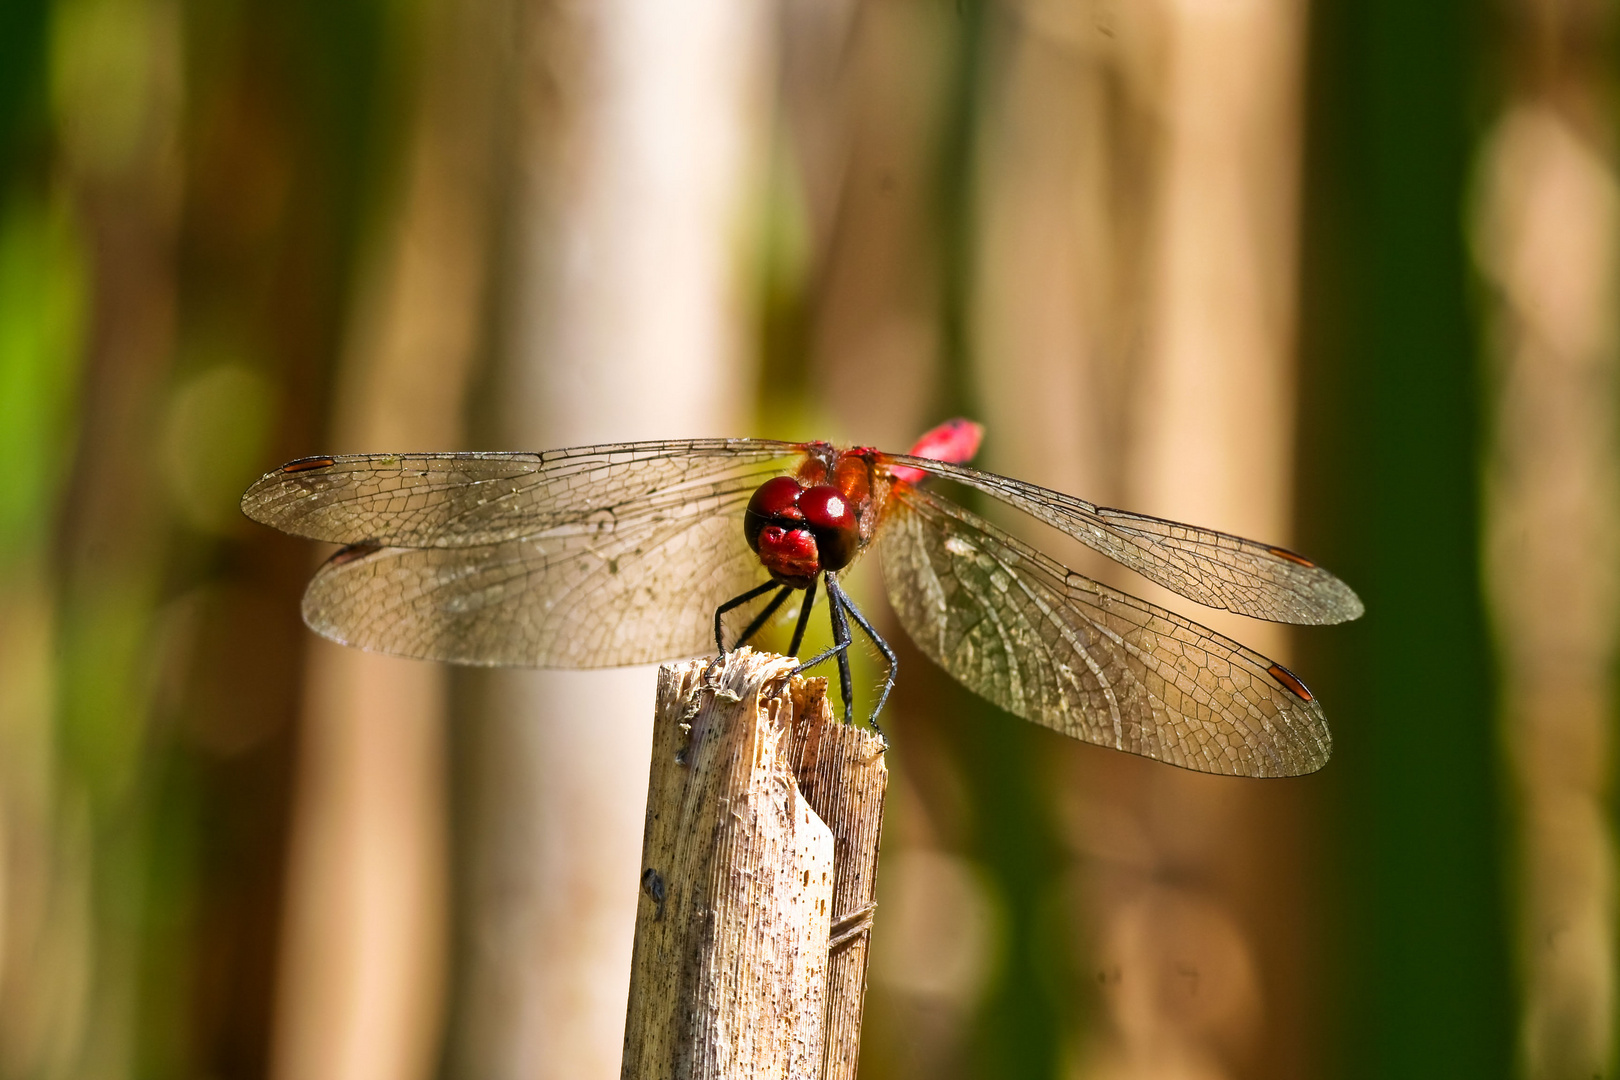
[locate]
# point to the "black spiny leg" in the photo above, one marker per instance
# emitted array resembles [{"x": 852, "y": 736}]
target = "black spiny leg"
[
  {"x": 798, "y": 635},
  {"x": 738, "y": 601},
  {"x": 837, "y": 596},
  {"x": 804, "y": 618},
  {"x": 841, "y": 640},
  {"x": 764, "y": 614},
  {"x": 839, "y": 649}
]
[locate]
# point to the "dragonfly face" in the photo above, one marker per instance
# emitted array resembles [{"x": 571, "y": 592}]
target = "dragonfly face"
[
  {"x": 629, "y": 553},
  {"x": 799, "y": 531}
]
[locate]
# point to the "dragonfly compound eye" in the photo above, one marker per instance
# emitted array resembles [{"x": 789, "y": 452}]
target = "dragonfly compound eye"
[
  {"x": 776, "y": 529},
  {"x": 774, "y": 502},
  {"x": 830, "y": 518}
]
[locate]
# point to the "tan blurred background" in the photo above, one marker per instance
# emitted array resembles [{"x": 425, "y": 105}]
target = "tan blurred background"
[{"x": 1337, "y": 275}]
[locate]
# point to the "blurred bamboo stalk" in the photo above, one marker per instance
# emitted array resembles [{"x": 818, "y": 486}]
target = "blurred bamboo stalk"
[
  {"x": 1164, "y": 380},
  {"x": 363, "y": 967},
  {"x": 1545, "y": 232},
  {"x": 863, "y": 101},
  {"x": 1213, "y": 441},
  {"x": 1068, "y": 170},
  {"x": 640, "y": 130},
  {"x": 362, "y": 963}
]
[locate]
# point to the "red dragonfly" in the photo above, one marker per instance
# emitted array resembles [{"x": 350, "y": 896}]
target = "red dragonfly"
[{"x": 602, "y": 556}]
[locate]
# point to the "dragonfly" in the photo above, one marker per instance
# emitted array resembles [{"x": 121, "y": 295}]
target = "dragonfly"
[{"x": 633, "y": 552}]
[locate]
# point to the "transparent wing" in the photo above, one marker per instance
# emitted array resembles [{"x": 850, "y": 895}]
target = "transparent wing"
[
  {"x": 1213, "y": 568},
  {"x": 1051, "y": 646},
  {"x": 464, "y": 500},
  {"x": 580, "y": 595},
  {"x": 592, "y": 556}
]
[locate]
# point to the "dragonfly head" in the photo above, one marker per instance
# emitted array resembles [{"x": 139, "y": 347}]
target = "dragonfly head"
[{"x": 799, "y": 531}]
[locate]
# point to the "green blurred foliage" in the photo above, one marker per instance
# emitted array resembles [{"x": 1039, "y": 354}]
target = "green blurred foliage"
[
  {"x": 42, "y": 312},
  {"x": 227, "y": 408},
  {"x": 185, "y": 187},
  {"x": 1390, "y": 497}
]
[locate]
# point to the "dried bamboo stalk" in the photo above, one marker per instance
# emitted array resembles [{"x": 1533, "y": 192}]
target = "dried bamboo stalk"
[
  {"x": 842, "y": 774},
  {"x": 730, "y": 972}
]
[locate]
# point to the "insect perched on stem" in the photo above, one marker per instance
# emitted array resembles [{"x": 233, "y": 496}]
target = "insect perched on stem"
[{"x": 629, "y": 553}]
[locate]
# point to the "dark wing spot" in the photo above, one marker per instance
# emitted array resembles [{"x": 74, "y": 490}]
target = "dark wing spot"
[
  {"x": 354, "y": 552},
  {"x": 1291, "y": 556},
  {"x": 305, "y": 464},
  {"x": 1292, "y": 681}
]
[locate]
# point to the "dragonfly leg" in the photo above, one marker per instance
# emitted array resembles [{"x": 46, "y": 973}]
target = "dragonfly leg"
[
  {"x": 840, "y": 628},
  {"x": 765, "y": 613},
  {"x": 840, "y": 597},
  {"x": 824, "y": 654},
  {"x": 798, "y": 636},
  {"x": 738, "y": 601},
  {"x": 804, "y": 618}
]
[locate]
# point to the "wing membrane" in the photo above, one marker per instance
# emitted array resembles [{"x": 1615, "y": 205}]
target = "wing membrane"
[
  {"x": 472, "y": 499},
  {"x": 1213, "y": 568},
  {"x": 574, "y": 597},
  {"x": 1051, "y": 646}
]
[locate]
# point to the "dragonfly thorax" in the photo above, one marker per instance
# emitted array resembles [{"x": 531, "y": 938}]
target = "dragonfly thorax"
[{"x": 800, "y": 531}]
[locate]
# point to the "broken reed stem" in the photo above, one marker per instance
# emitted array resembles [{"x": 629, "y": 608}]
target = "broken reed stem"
[
  {"x": 758, "y": 867},
  {"x": 843, "y": 775}
]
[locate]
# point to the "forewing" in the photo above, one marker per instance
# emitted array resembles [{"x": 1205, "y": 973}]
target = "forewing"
[
  {"x": 472, "y": 499},
  {"x": 1213, "y": 568},
  {"x": 1057, "y": 648},
  {"x": 581, "y": 595}
]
